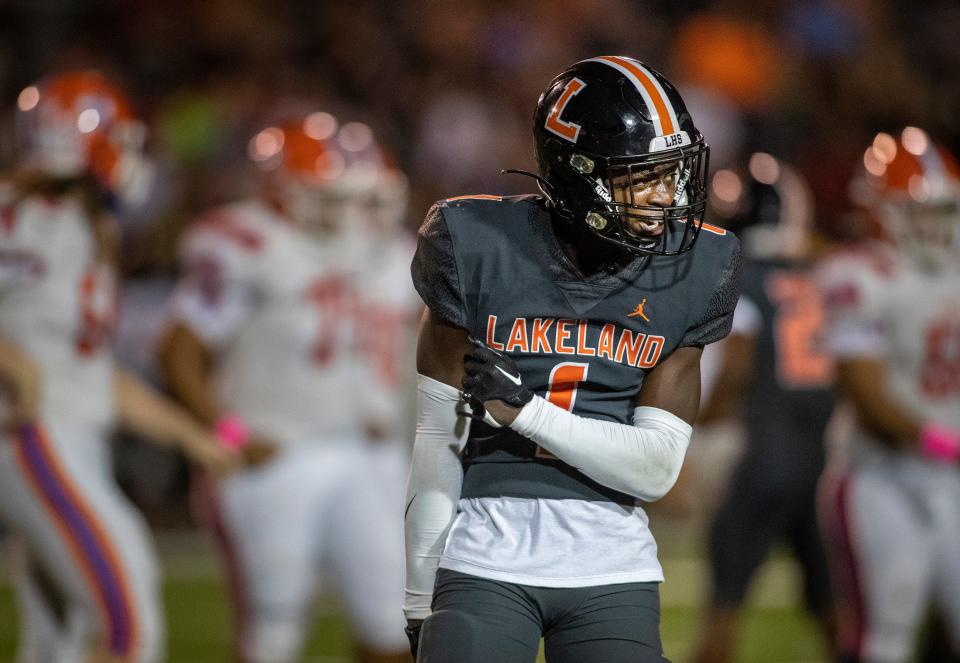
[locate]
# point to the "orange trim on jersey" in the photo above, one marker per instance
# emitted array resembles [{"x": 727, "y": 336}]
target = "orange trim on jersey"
[
  {"x": 479, "y": 196},
  {"x": 659, "y": 103},
  {"x": 76, "y": 547},
  {"x": 716, "y": 230}
]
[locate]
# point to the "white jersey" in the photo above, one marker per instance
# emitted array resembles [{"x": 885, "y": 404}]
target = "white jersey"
[
  {"x": 58, "y": 304},
  {"x": 282, "y": 310},
  {"x": 391, "y": 309},
  {"x": 880, "y": 305}
]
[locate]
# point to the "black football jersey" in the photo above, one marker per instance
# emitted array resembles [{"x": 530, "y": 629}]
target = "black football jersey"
[
  {"x": 790, "y": 398},
  {"x": 493, "y": 266}
]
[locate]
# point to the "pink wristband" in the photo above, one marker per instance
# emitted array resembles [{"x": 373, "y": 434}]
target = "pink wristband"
[
  {"x": 232, "y": 431},
  {"x": 940, "y": 443}
]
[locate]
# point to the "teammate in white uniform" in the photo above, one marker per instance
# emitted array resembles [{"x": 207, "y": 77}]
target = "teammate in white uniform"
[
  {"x": 276, "y": 303},
  {"x": 891, "y": 506},
  {"x": 91, "y": 587}
]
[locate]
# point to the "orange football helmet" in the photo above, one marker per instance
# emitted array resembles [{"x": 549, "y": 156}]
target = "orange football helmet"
[
  {"x": 77, "y": 123},
  {"x": 910, "y": 186},
  {"x": 325, "y": 176}
]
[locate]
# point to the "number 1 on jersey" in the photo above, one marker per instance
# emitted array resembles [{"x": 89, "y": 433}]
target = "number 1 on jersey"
[{"x": 562, "y": 389}]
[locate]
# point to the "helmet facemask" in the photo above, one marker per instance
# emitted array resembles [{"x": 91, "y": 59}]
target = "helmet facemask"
[
  {"x": 910, "y": 186},
  {"x": 651, "y": 205},
  {"x": 77, "y": 124},
  {"x": 929, "y": 232},
  {"x": 323, "y": 209}
]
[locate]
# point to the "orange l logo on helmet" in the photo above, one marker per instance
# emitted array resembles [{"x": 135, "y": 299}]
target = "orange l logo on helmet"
[{"x": 566, "y": 130}]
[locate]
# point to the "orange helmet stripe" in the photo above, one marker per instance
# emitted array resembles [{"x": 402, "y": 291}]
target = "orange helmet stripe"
[{"x": 664, "y": 115}]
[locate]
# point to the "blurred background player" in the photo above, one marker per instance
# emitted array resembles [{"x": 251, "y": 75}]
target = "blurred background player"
[
  {"x": 89, "y": 588},
  {"x": 281, "y": 340},
  {"x": 891, "y": 503},
  {"x": 775, "y": 375}
]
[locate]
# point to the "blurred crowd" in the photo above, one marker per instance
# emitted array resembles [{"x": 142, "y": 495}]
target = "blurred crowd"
[{"x": 450, "y": 86}]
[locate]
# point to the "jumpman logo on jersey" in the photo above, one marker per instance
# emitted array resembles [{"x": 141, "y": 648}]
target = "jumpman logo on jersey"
[{"x": 638, "y": 312}]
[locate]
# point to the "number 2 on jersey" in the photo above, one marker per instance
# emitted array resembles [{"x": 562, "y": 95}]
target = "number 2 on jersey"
[
  {"x": 798, "y": 330},
  {"x": 565, "y": 377}
]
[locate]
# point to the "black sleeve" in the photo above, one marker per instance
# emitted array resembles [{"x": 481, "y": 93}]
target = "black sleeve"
[
  {"x": 717, "y": 317},
  {"x": 434, "y": 270}
]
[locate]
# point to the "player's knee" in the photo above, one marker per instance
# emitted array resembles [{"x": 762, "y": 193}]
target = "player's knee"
[
  {"x": 447, "y": 635},
  {"x": 273, "y": 640}
]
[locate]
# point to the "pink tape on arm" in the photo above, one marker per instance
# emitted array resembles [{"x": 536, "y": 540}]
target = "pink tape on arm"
[
  {"x": 232, "y": 431},
  {"x": 940, "y": 443}
]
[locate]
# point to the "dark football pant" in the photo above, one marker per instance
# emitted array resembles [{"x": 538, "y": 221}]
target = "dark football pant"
[
  {"x": 762, "y": 509},
  {"x": 476, "y": 620}
]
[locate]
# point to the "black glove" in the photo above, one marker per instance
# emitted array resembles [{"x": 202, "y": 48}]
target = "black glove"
[
  {"x": 492, "y": 376},
  {"x": 412, "y": 629}
]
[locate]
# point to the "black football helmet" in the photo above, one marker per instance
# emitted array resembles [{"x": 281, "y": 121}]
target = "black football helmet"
[
  {"x": 612, "y": 121},
  {"x": 770, "y": 207}
]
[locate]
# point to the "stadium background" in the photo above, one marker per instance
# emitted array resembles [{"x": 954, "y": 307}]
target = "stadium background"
[{"x": 449, "y": 86}]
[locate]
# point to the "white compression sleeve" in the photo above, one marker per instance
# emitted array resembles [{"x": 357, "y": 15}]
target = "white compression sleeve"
[
  {"x": 642, "y": 460},
  {"x": 432, "y": 489}
]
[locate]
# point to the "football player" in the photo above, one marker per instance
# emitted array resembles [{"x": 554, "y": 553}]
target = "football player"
[
  {"x": 91, "y": 591},
  {"x": 279, "y": 342},
  {"x": 570, "y": 325},
  {"x": 775, "y": 374},
  {"x": 891, "y": 503}
]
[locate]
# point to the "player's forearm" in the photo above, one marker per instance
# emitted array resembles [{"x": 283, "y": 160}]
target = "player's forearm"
[
  {"x": 733, "y": 378},
  {"x": 19, "y": 383},
  {"x": 16, "y": 366},
  {"x": 642, "y": 460},
  {"x": 433, "y": 489},
  {"x": 147, "y": 413},
  {"x": 864, "y": 381},
  {"x": 185, "y": 365}
]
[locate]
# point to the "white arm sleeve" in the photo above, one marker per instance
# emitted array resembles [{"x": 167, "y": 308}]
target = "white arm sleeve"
[
  {"x": 642, "y": 460},
  {"x": 433, "y": 488}
]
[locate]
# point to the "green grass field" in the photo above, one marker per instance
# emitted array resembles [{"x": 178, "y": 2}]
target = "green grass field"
[{"x": 774, "y": 630}]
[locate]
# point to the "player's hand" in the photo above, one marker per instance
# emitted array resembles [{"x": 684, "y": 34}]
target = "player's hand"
[
  {"x": 258, "y": 450},
  {"x": 19, "y": 394},
  {"x": 206, "y": 451},
  {"x": 492, "y": 381},
  {"x": 413, "y": 635}
]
